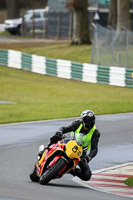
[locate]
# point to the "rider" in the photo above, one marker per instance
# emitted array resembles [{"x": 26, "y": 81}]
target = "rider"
[{"x": 86, "y": 126}]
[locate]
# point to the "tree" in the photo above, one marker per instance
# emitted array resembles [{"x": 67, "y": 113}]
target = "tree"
[
  {"x": 2, "y": 4},
  {"x": 119, "y": 17},
  {"x": 119, "y": 14},
  {"x": 14, "y": 6},
  {"x": 12, "y": 9},
  {"x": 112, "y": 20},
  {"x": 33, "y": 4},
  {"x": 123, "y": 14},
  {"x": 80, "y": 21}
]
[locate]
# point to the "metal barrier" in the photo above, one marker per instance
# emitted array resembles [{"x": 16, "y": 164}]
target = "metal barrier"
[{"x": 85, "y": 72}]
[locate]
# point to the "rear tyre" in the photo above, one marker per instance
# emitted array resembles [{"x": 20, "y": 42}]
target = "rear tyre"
[
  {"x": 33, "y": 176},
  {"x": 52, "y": 172}
]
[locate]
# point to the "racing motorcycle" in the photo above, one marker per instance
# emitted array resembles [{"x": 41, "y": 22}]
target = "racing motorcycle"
[{"x": 59, "y": 159}]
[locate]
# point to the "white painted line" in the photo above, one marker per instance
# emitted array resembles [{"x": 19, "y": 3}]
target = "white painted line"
[
  {"x": 7, "y": 102},
  {"x": 61, "y": 119},
  {"x": 33, "y": 122},
  {"x": 113, "y": 167},
  {"x": 108, "y": 177}
]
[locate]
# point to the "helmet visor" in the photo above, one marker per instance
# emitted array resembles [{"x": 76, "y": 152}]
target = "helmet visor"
[{"x": 87, "y": 123}]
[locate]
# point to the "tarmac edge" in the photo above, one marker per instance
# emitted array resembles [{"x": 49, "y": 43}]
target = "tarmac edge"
[{"x": 84, "y": 183}]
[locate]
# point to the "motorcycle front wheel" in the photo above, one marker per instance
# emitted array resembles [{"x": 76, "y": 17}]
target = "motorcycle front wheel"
[
  {"x": 52, "y": 172},
  {"x": 33, "y": 176}
]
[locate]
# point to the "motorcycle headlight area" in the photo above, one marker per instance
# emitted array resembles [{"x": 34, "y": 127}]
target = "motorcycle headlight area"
[{"x": 73, "y": 150}]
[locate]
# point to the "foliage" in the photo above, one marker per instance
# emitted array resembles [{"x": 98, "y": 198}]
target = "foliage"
[{"x": 129, "y": 181}]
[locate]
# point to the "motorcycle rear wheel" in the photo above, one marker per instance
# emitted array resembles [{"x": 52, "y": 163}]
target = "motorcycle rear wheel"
[{"x": 52, "y": 172}]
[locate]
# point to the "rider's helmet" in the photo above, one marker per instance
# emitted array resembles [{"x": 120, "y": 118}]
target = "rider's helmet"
[{"x": 88, "y": 118}]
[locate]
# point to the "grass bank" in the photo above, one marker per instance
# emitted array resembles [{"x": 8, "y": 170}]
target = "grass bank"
[
  {"x": 51, "y": 49},
  {"x": 129, "y": 181},
  {"x": 77, "y": 53},
  {"x": 40, "y": 97}
]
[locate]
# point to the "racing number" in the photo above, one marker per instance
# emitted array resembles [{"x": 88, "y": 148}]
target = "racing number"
[{"x": 74, "y": 149}]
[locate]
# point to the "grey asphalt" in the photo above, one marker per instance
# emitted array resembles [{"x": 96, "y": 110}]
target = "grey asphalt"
[
  {"x": 18, "y": 152},
  {"x": 18, "y": 39}
]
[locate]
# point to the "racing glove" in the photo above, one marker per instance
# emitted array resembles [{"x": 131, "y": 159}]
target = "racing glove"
[
  {"x": 87, "y": 158},
  {"x": 59, "y": 134},
  {"x": 56, "y": 137}
]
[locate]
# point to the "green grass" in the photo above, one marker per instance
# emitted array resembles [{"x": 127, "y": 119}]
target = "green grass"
[
  {"x": 5, "y": 33},
  {"x": 77, "y": 53},
  {"x": 129, "y": 181},
  {"x": 40, "y": 97}
]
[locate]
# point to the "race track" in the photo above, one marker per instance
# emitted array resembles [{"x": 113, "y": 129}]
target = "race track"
[{"x": 18, "y": 152}]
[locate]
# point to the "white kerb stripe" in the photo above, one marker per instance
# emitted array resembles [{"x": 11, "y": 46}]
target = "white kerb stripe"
[
  {"x": 89, "y": 73},
  {"x": 14, "y": 59},
  {"x": 117, "y": 76},
  {"x": 64, "y": 68},
  {"x": 38, "y": 64}
]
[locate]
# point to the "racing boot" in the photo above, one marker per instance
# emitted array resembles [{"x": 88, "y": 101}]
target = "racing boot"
[{"x": 73, "y": 172}]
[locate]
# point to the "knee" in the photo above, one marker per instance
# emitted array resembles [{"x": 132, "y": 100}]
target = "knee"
[{"x": 87, "y": 176}]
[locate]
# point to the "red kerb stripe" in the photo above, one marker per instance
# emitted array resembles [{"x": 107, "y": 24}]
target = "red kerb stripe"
[
  {"x": 114, "y": 175},
  {"x": 108, "y": 185},
  {"x": 124, "y": 193},
  {"x": 106, "y": 180}
]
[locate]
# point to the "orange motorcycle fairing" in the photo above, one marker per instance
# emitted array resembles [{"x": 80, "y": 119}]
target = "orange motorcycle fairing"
[{"x": 47, "y": 157}]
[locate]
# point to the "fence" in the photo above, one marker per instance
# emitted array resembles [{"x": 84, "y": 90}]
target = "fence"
[
  {"x": 66, "y": 69},
  {"x": 53, "y": 25},
  {"x": 111, "y": 47},
  {"x": 57, "y": 24}
]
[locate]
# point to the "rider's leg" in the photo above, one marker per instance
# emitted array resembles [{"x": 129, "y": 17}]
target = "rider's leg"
[{"x": 83, "y": 173}]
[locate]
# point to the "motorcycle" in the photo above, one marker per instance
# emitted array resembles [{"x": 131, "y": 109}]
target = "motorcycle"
[{"x": 59, "y": 159}]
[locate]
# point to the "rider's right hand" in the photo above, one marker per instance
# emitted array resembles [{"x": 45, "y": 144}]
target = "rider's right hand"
[{"x": 59, "y": 134}]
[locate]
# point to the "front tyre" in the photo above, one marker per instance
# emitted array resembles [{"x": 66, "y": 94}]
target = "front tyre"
[
  {"x": 33, "y": 176},
  {"x": 52, "y": 172}
]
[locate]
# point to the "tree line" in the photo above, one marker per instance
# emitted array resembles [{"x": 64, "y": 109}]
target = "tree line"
[
  {"x": 119, "y": 15},
  {"x": 13, "y": 6}
]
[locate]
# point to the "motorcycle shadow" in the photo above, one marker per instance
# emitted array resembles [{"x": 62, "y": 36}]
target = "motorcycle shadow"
[{"x": 65, "y": 185}]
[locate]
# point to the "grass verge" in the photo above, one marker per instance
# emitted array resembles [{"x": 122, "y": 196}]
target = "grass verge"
[
  {"x": 77, "y": 53},
  {"x": 5, "y": 33},
  {"x": 129, "y": 181},
  {"x": 52, "y": 49},
  {"x": 40, "y": 97}
]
